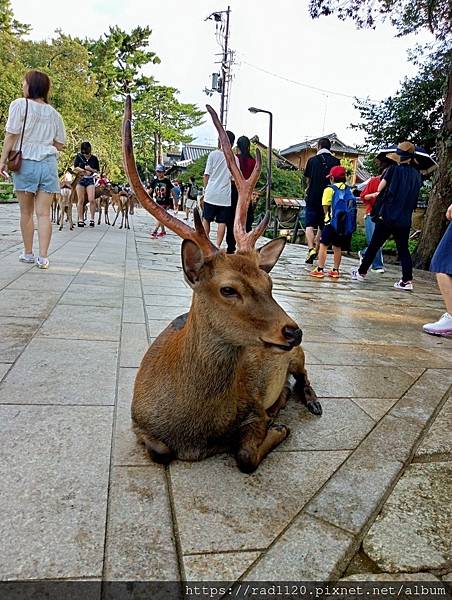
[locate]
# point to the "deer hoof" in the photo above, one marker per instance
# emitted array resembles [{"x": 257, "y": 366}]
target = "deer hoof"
[{"x": 314, "y": 407}]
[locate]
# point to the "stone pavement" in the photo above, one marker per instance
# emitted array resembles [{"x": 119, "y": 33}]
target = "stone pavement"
[{"x": 81, "y": 500}]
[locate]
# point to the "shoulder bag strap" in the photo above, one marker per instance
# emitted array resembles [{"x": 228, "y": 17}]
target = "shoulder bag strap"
[{"x": 23, "y": 126}]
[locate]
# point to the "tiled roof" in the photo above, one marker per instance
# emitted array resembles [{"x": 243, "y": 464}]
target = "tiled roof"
[
  {"x": 192, "y": 152},
  {"x": 336, "y": 146}
]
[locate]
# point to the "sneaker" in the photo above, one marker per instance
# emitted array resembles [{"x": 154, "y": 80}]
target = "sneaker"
[
  {"x": 91, "y": 223},
  {"x": 317, "y": 273},
  {"x": 312, "y": 255},
  {"x": 404, "y": 285},
  {"x": 27, "y": 258},
  {"x": 334, "y": 274},
  {"x": 356, "y": 275},
  {"x": 42, "y": 263},
  {"x": 154, "y": 234},
  {"x": 441, "y": 327},
  {"x": 161, "y": 234},
  {"x": 379, "y": 270}
]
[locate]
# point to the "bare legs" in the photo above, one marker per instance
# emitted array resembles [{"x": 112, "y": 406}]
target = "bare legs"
[
  {"x": 321, "y": 259},
  {"x": 41, "y": 203},
  {"x": 221, "y": 230},
  {"x": 80, "y": 202},
  {"x": 91, "y": 191},
  {"x": 312, "y": 239},
  {"x": 445, "y": 287}
]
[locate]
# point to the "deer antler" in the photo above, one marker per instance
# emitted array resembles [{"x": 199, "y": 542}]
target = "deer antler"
[
  {"x": 245, "y": 240},
  {"x": 197, "y": 235}
]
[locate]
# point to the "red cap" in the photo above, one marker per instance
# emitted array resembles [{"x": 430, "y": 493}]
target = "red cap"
[{"x": 337, "y": 172}]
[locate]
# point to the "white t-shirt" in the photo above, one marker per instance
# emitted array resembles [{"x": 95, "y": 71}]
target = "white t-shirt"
[
  {"x": 218, "y": 188},
  {"x": 44, "y": 125}
]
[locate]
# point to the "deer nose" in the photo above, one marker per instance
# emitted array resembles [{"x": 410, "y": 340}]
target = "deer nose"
[{"x": 293, "y": 335}]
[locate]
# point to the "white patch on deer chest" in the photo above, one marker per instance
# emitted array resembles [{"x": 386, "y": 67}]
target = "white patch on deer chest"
[{"x": 275, "y": 384}]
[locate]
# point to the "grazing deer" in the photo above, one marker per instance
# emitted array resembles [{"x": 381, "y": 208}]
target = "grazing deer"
[
  {"x": 121, "y": 202},
  {"x": 65, "y": 206},
  {"x": 215, "y": 376}
]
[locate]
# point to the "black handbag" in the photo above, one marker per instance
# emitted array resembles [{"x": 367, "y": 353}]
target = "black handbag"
[{"x": 377, "y": 209}]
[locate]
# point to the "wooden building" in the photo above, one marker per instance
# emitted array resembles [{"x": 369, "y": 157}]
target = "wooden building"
[{"x": 299, "y": 154}]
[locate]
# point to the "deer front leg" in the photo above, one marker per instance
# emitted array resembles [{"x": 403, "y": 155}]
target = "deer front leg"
[
  {"x": 302, "y": 389},
  {"x": 258, "y": 437},
  {"x": 69, "y": 216}
]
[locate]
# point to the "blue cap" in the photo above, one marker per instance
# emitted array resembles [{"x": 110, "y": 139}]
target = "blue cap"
[{"x": 160, "y": 168}]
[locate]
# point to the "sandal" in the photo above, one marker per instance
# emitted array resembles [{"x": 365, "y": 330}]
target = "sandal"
[
  {"x": 91, "y": 223},
  {"x": 80, "y": 224}
]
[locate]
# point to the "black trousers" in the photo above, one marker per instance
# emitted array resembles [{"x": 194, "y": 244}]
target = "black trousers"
[{"x": 382, "y": 233}]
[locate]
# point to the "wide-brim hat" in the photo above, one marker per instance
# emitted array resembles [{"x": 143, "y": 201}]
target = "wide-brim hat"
[{"x": 405, "y": 152}]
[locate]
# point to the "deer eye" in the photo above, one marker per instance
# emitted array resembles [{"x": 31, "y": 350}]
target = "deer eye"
[{"x": 228, "y": 292}]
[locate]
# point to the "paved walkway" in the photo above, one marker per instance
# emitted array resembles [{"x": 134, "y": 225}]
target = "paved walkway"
[{"x": 80, "y": 499}]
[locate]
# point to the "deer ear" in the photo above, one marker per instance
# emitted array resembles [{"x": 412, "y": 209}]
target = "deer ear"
[
  {"x": 270, "y": 253},
  {"x": 192, "y": 261}
]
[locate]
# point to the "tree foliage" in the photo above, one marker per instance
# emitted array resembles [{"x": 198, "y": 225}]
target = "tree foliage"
[
  {"x": 417, "y": 105},
  {"x": 89, "y": 79},
  {"x": 414, "y": 112}
]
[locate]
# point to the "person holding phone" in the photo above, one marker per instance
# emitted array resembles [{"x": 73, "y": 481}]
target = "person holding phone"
[
  {"x": 86, "y": 165},
  {"x": 37, "y": 180}
]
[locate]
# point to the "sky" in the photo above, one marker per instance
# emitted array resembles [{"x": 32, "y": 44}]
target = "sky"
[{"x": 267, "y": 37}]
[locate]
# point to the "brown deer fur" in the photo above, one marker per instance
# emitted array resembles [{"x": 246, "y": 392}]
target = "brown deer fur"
[{"x": 214, "y": 377}]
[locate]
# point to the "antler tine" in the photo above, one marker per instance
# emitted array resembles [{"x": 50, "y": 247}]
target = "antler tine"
[
  {"x": 181, "y": 229},
  {"x": 245, "y": 187}
]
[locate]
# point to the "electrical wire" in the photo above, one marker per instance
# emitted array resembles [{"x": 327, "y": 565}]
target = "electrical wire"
[{"x": 300, "y": 83}]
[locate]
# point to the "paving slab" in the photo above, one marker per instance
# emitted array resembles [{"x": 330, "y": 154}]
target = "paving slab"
[
  {"x": 133, "y": 311},
  {"x": 342, "y": 426},
  {"x": 228, "y": 566},
  {"x": 54, "y": 472},
  {"x": 92, "y": 295},
  {"x": 437, "y": 443},
  {"x": 15, "y": 333},
  {"x": 244, "y": 512},
  {"x": 83, "y": 323},
  {"x": 140, "y": 547},
  {"x": 29, "y": 303},
  {"x": 420, "y": 511},
  {"x": 4, "y": 368},
  {"x": 134, "y": 344},
  {"x": 359, "y": 382},
  {"x": 376, "y": 408},
  {"x": 56, "y": 371},
  {"x": 126, "y": 450},
  {"x": 47, "y": 281},
  {"x": 310, "y": 550}
]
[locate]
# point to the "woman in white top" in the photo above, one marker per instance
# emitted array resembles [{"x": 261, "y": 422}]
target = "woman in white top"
[{"x": 37, "y": 179}]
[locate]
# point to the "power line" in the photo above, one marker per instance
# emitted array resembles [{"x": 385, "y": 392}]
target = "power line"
[{"x": 306, "y": 85}]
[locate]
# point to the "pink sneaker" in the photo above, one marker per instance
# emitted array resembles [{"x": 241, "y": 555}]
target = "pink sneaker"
[
  {"x": 154, "y": 234},
  {"x": 161, "y": 234}
]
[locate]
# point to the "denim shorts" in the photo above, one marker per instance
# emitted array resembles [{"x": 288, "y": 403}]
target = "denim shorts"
[
  {"x": 37, "y": 175},
  {"x": 86, "y": 181}
]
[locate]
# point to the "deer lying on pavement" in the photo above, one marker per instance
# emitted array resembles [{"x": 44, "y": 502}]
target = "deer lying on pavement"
[{"x": 213, "y": 378}]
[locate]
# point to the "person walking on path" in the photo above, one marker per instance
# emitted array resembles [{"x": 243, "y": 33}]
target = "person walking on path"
[
  {"x": 161, "y": 190},
  {"x": 401, "y": 184},
  {"x": 37, "y": 129},
  {"x": 316, "y": 172},
  {"x": 246, "y": 164},
  {"x": 369, "y": 196},
  {"x": 191, "y": 197},
  {"x": 442, "y": 265},
  {"x": 332, "y": 234},
  {"x": 86, "y": 165},
  {"x": 217, "y": 192}
]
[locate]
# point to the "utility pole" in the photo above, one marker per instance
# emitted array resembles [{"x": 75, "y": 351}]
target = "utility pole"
[
  {"x": 225, "y": 68},
  {"x": 221, "y": 81}
]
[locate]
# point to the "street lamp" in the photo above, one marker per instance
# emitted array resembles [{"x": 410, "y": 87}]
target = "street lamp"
[{"x": 254, "y": 110}]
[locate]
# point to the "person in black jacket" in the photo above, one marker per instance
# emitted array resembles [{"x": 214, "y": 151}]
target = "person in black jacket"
[
  {"x": 400, "y": 185},
  {"x": 316, "y": 171}
]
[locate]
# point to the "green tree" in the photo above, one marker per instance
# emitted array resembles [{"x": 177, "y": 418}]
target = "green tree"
[
  {"x": 414, "y": 112},
  {"x": 410, "y": 16},
  {"x": 161, "y": 121},
  {"x": 117, "y": 58}
]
